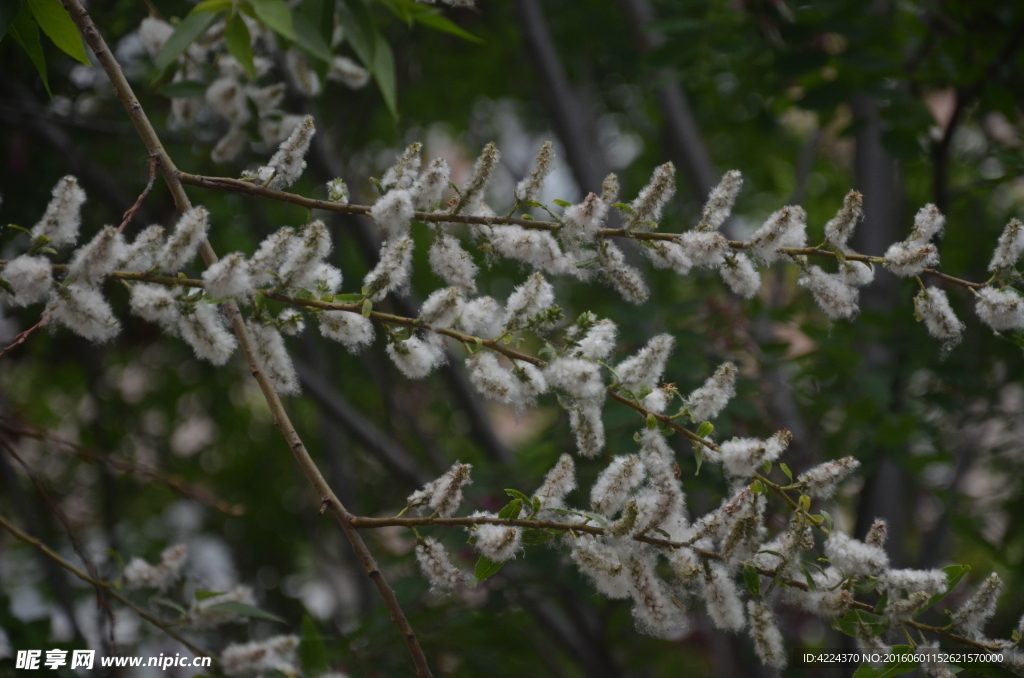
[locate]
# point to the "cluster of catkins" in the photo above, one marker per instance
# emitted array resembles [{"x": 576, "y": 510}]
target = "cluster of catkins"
[
  {"x": 639, "y": 496},
  {"x": 236, "y": 98}
]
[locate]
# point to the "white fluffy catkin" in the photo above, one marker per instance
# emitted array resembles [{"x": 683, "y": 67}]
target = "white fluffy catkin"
[
  {"x": 1001, "y": 310},
  {"x": 581, "y": 221},
  {"x": 393, "y": 212},
  {"x": 711, "y": 398},
  {"x": 391, "y": 274},
  {"x": 785, "y": 228},
  {"x": 276, "y": 364},
  {"x": 140, "y": 255},
  {"x": 94, "y": 260},
  {"x": 443, "y": 495},
  {"x": 416, "y": 358},
  {"x": 739, "y": 274},
  {"x": 452, "y": 263},
  {"x": 183, "y": 242},
  {"x": 84, "y": 311},
  {"x": 588, "y": 427},
  {"x": 530, "y": 186},
  {"x": 652, "y": 199},
  {"x": 288, "y": 163},
  {"x": 832, "y": 294},
  {"x": 204, "y": 331},
  {"x": 719, "y": 205},
  {"x": 437, "y": 567},
  {"x": 558, "y": 483},
  {"x": 352, "y": 330},
  {"x": 63, "y": 216},
  {"x": 932, "y": 306},
  {"x": 646, "y": 367},
  {"x": 31, "y": 278},
  {"x": 228, "y": 277},
  {"x": 1011, "y": 244},
  {"x": 431, "y": 184},
  {"x": 615, "y": 483}
]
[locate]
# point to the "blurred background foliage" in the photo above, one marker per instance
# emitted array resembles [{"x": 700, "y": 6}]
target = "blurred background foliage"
[{"x": 919, "y": 98}]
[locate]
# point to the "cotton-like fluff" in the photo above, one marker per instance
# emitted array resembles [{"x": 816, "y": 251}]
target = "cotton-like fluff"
[
  {"x": 305, "y": 253},
  {"x": 932, "y": 664},
  {"x": 154, "y": 34},
  {"x": 625, "y": 279},
  {"x": 230, "y": 146},
  {"x": 853, "y": 557},
  {"x": 932, "y": 306},
  {"x": 667, "y": 255},
  {"x": 1001, "y": 310},
  {"x": 141, "y": 254},
  {"x": 765, "y": 631},
  {"x": 305, "y": 79},
  {"x": 661, "y": 502},
  {"x": 138, "y": 574},
  {"x": 536, "y": 248},
  {"x": 652, "y": 199},
  {"x": 1010, "y": 247},
  {"x": 157, "y": 304},
  {"x": 707, "y": 401},
  {"x": 31, "y": 278},
  {"x": 291, "y": 322},
  {"x": 741, "y": 457},
  {"x": 203, "y": 614},
  {"x": 403, "y": 173},
  {"x": 597, "y": 343},
  {"x": 226, "y": 97},
  {"x": 203, "y": 329},
  {"x": 600, "y": 563},
  {"x": 856, "y": 273},
  {"x": 646, "y": 367},
  {"x": 472, "y": 190},
  {"x": 916, "y": 253},
  {"x": 739, "y": 274},
  {"x": 528, "y": 299},
  {"x": 228, "y": 277},
  {"x": 576, "y": 376},
  {"x": 437, "y": 567},
  {"x": 970, "y": 619},
  {"x": 656, "y": 401},
  {"x": 393, "y": 212},
  {"x": 288, "y": 163},
  {"x": 588, "y": 427},
  {"x": 719, "y": 205},
  {"x": 84, "y": 311},
  {"x": 530, "y": 186},
  {"x": 615, "y": 483},
  {"x": 491, "y": 379},
  {"x": 270, "y": 255},
  {"x": 442, "y": 307},
  {"x": 348, "y": 73},
  {"x": 558, "y": 483},
  {"x": 248, "y": 660},
  {"x": 416, "y": 358},
  {"x": 785, "y": 228},
  {"x": 582, "y": 221},
  {"x": 931, "y": 582},
  {"x": 391, "y": 274},
  {"x": 63, "y": 216},
  {"x": 429, "y": 188},
  {"x": 722, "y": 598},
  {"x": 497, "y": 543},
  {"x": 337, "y": 191},
  {"x": 653, "y": 610},
  {"x": 452, "y": 263},
  {"x": 443, "y": 495},
  {"x": 93, "y": 261},
  {"x": 821, "y": 481},
  {"x": 836, "y": 298},
  {"x": 275, "y": 363},
  {"x": 840, "y": 228},
  {"x": 482, "y": 317},
  {"x": 181, "y": 245},
  {"x": 706, "y": 249}
]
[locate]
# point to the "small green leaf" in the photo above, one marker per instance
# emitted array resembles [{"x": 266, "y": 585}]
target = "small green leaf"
[
  {"x": 766, "y": 467},
  {"x": 308, "y": 38},
  {"x": 785, "y": 469},
  {"x": 705, "y": 429},
  {"x": 752, "y": 580},
  {"x": 562, "y": 203},
  {"x": 434, "y": 19},
  {"x": 810, "y": 580},
  {"x": 239, "y": 43},
  {"x": 623, "y": 206},
  {"x": 511, "y": 510},
  {"x": 698, "y": 455},
  {"x": 367, "y": 308},
  {"x": 203, "y": 595},
  {"x": 954, "y": 573},
  {"x": 804, "y": 502},
  {"x": 828, "y": 519},
  {"x": 169, "y": 604},
  {"x": 651, "y": 422},
  {"x": 534, "y": 537},
  {"x": 26, "y": 33},
  {"x": 359, "y": 30},
  {"x": 485, "y": 567},
  {"x": 757, "y": 487},
  {"x": 215, "y": 6},
  {"x": 275, "y": 15},
  {"x": 312, "y": 652},
  {"x": 516, "y": 494},
  {"x": 58, "y": 26},
  {"x": 235, "y": 607},
  {"x": 184, "y": 35},
  {"x": 184, "y": 89}
]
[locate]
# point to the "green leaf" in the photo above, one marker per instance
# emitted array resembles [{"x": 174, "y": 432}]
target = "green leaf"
[
  {"x": 698, "y": 456},
  {"x": 184, "y": 90},
  {"x": 239, "y": 43},
  {"x": 215, "y": 6},
  {"x": 184, "y": 35},
  {"x": 516, "y": 494},
  {"x": 785, "y": 469},
  {"x": 312, "y": 652},
  {"x": 319, "y": 13},
  {"x": 757, "y": 487},
  {"x": 954, "y": 573},
  {"x": 705, "y": 429},
  {"x": 359, "y": 29},
  {"x": 752, "y": 580},
  {"x": 384, "y": 73},
  {"x": 534, "y": 537},
  {"x": 434, "y": 19},
  {"x": 511, "y": 510},
  {"x": 562, "y": 203},
  {"x": 623, "y": 206},
  {"x": 485, "y": 567},
  {"x": 828, "y": 519},
  {"x": 9, "y": 11},
  {"x": 367, "y": 308},
  {"x": 651, "y": 422},
  {"x": 169, "y": 604},
  {"x": 308, "y": 38},
  {"x": 275, "y": 15},
  {"x": 851, "y": 622},
  {"x": 26, "y": 33},
  {"x": 203, "y": 595},
  {"x": 235, "y": 607},
  {"x": 810, "y": 580},
  {"x": 58, "y": 26}
]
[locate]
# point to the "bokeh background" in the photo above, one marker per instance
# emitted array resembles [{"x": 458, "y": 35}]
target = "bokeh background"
[{"x": 910, "y": 102}]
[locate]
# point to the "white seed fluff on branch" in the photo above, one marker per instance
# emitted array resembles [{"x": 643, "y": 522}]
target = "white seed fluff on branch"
[
  {"x": 305, "y": 253},
  {"x": 646, "y": 367},
  {"x": 582, "y": 221},
  {"x": 497, "y": 542},
  {"x": 352, "y": 330},
  {"x": 785, "y": 228},
  {"x": 228, "y": 277},
  {"x": 932, "y": 306},
  {"x": 337, "y": 191},
  {"x": 443, "y": 495},
  {"x": 722, "y": 598},
  {"x": 31, "y": 278},
  {"x": 765, "y": 632},
  {"x": 183, "y": 242},
  {"x": 203, "y": 329},
  {"x": 84, "y": 311},
  {"x": 853, "y": 557},
  {"x": 270, "y": 255},
  {"x": 391, "y": 274},
  {"x": 741, "y": 457},
  {"x": 856, "y": 273},
  {"x": 588, "y": 427},
  {"x": 138, "y": 574},
  {"x": 482, "y": 317},
  {"x": 706, "y": 249},
  {"x": 452, "y": 263},
  {"x": 834, "y": 296},
  {"x": 393, "y": 212},
  {"x": 437, "y": 567},
  {"x": 93, "y": 261},
  {"x": 653, "y": 610},
  {"x": 530, "y": 186},
  {"x": 141, "y": 254},
  {"x": 600, "y": 563},
  {"x": 416, "y": 358},
  {"x": 288, "y": 163},
  {"x": 625, "y": 279},
  {"x": 599, "y": 341},
  {"x": 248, "y": 660},
  {"x": 536, "y": 248},
  {"x": 528, "y": 299},
  {"x": 652, "y": 199},
  {"x": 63, "y": 216},
  {"x": 711, "y": 398},
  {"x": 472, "y": 190},
  {"x": 403, "y": 173},
  {"x": 430, "y": 186},
  {"x": 491, "y": 379},
  {"x": 840, "y": 228},
  {"x": 615, "y": 483},
  {"x": 916, "y": 253},
  {"x": 972, "y": 616},
  {"x": 291, "y": 322},
  {"x": 667, "y": 255},
  {"x": 1010, "y": 247},
  {"x": 156, "y": 304},
  {"x": 558, "y": 483},
  {"x": 274, "y": 361},
  {"x": 739, "y": 274},
  {"x": 1001, "y": 310},
  {"x": 821, "y": 481},
  {"x": 442, "y": 307},
  {"x": 576, "y": 376},
  {"x": 719, "y": 205}
]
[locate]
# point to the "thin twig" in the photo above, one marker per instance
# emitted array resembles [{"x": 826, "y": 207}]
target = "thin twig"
[
  {"x": 23, "y": 336},
  {"x": 244, "y": 187},
  {"x": 130, "y": 214},
  {"x": 148, "y": 135},
  {"x": 106, "y": 586},
  {"x": 174, "y": 483}
]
